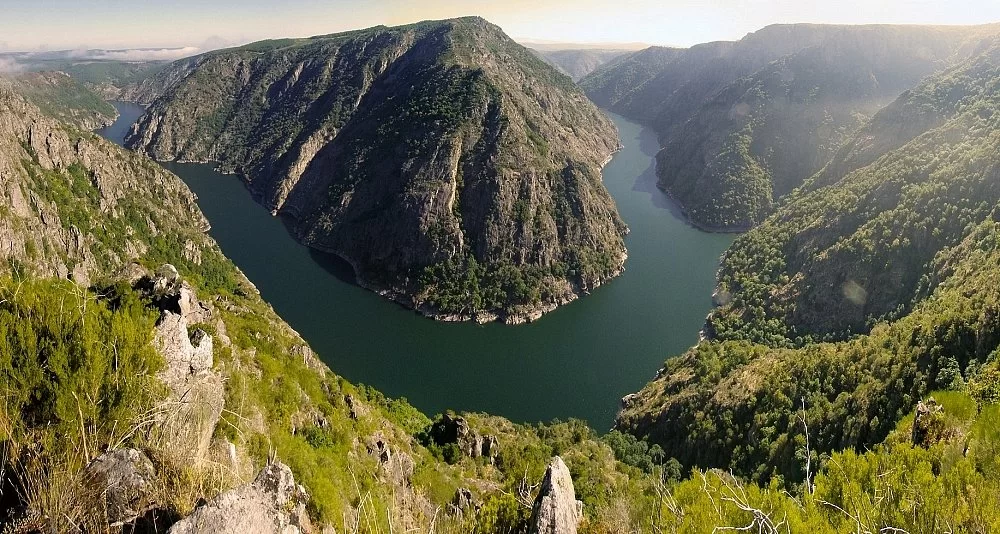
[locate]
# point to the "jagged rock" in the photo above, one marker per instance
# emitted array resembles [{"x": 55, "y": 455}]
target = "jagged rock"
[
  {"x": 172, "y": 294},
  {"x": 556, "y": 510},
  {"x": 396, "y": 465},
  {"x": 166, "y": 277},
  {"x": 928, "y": 424},
  {"x": 271, "y": 503},
  {"x": 123, "y": 477},
  {"x": 455, "y": 429},
  {"x": 196, "y": 395}
]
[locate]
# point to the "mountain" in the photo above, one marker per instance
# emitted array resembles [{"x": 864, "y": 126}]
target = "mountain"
[
  {"x": 578, "y": 62},
  {"x": 837, "y": 258},
  {"x": 743, "y": 123},
  {"x": 855, "y": 299},
  {"x": 455, "y": 171},
  {"x": 63, "y": 97}
]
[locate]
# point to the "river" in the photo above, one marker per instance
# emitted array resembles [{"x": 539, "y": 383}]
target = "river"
[{"x": 577, "y": 361}]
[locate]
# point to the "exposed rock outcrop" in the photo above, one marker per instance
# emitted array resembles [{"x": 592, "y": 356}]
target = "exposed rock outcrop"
[
  {"x": 556, "y": 510},
  {"x": 928, "y": 424},
  {"x": 124, "y": 479},
  {"x": 456, "y": 429},
  {"x": 196, "y": 394},
  {"x": 395, "y": 466},
  {"x": 272, "y": 503}
]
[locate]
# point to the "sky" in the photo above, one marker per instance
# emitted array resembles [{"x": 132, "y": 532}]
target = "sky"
[{"x": 30, "y": 25}]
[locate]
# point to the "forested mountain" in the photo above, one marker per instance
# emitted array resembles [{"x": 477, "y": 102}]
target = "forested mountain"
[
  {"x": 743, "y": 123},
  {"x": 457, "y": 172},
  {"x": 893, "y": 263},
  {"x": 836, "y": 258}
]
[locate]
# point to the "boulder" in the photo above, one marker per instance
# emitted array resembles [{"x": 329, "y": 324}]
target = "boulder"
[
  {"x": 463, "y": 502},
  {"x": 556, "y": 510},
  {"x": 272, "y": 503},
  {"x": 124, "y": 478},
  {"x": 395, "y": 466}
]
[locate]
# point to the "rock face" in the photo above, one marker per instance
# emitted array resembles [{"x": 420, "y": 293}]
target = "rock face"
[
  {"x": 74, "y": 206},
  {"x": 744, "y": 123},
  {"x": 273, "y": 503},
  {"x": 556, "y": 509},
  {"x": 123, "y": 477},
  {"x": 196, "y": 393},
  {"x": 456, "y": 429},
  {"x": 457, "y": 173}
]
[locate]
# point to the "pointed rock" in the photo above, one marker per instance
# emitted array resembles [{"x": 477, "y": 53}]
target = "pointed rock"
[{"x": 556, "y": 509}]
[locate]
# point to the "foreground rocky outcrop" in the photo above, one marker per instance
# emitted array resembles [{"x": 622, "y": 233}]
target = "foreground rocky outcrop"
[
  {"x": 196, "y": 397},
  {"x": 456, "y": 172},
  {"x": 124, "y": 478},
  {"x": 272, "y": 503},
  {"x": 556, "y": 510}
]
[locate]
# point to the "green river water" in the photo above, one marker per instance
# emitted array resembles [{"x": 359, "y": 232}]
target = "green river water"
[{"x": 577, "y": 361}]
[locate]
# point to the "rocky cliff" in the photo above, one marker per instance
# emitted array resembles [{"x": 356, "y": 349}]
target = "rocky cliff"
[
  {"x": 455, "y": 171},
  {"x": 55, "y": 178}
]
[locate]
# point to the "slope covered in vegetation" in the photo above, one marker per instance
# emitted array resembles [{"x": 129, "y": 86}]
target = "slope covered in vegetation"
[
  {"x": 80, "y": 378},
  {"x": 852, "y": 302}
]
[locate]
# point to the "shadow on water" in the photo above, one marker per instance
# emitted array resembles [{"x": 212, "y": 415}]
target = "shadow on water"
[
  {"x": 577, "y": 361},
  {"x": 334, "y": 265}
]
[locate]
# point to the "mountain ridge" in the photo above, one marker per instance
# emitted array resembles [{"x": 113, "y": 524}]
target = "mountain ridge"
[
  {"x": 742, "y": 123},
  {"x": 475, "y": 137}
]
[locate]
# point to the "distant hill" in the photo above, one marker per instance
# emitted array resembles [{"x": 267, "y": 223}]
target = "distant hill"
[
  {"x": 577, "y": 63},
  {"x": 62, "y": 97},
  {"x": 743, "y": 123}
]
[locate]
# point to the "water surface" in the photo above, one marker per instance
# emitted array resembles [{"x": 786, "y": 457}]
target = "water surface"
[{"x": 577, "y": 361}]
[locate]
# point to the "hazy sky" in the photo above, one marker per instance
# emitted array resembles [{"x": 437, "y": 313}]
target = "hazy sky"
[{"x": 71, "y": 24}]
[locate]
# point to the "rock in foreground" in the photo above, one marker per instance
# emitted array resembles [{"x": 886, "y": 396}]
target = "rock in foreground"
[{"x": 556, "y": 509}]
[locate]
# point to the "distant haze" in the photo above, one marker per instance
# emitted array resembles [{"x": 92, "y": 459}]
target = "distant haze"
[{"x": 30, "y": 25}]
